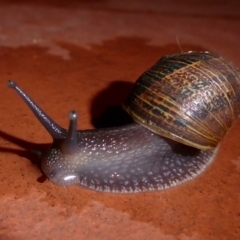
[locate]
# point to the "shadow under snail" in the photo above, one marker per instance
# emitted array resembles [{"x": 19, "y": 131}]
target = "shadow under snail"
[{"x": 182, "y": 107}]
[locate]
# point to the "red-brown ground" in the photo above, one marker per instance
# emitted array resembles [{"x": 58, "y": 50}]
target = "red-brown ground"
[{"x": 86, "y": 56}]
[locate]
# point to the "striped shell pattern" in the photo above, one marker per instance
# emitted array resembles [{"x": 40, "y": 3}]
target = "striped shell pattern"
[{"x": 192, "y": 98}]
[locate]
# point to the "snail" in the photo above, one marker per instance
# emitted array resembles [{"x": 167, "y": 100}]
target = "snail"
[{"x": 182, "y": 107}]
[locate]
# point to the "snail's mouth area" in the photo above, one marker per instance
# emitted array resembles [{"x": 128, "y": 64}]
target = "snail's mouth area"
[{"x": 62, "y": 177}]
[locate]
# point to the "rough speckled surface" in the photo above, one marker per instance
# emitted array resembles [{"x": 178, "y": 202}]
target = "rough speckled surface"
[{"x": 79, "y": 56}]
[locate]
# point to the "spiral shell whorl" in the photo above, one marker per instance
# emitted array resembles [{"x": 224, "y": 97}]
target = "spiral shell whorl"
[{"x": 190, "y": 97}]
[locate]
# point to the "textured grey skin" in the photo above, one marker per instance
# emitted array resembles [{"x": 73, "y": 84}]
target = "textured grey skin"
[{"x": 123, "y": 159}]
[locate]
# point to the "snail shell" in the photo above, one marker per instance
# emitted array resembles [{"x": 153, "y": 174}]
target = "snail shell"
[{"x": 190, "y": 99}]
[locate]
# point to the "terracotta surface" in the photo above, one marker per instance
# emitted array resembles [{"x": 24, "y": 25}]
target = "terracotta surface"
[{"x": 85, "y": 56}]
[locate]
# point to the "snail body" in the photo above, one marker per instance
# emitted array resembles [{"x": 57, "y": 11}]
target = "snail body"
[{"x": 182, "y": 107}]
